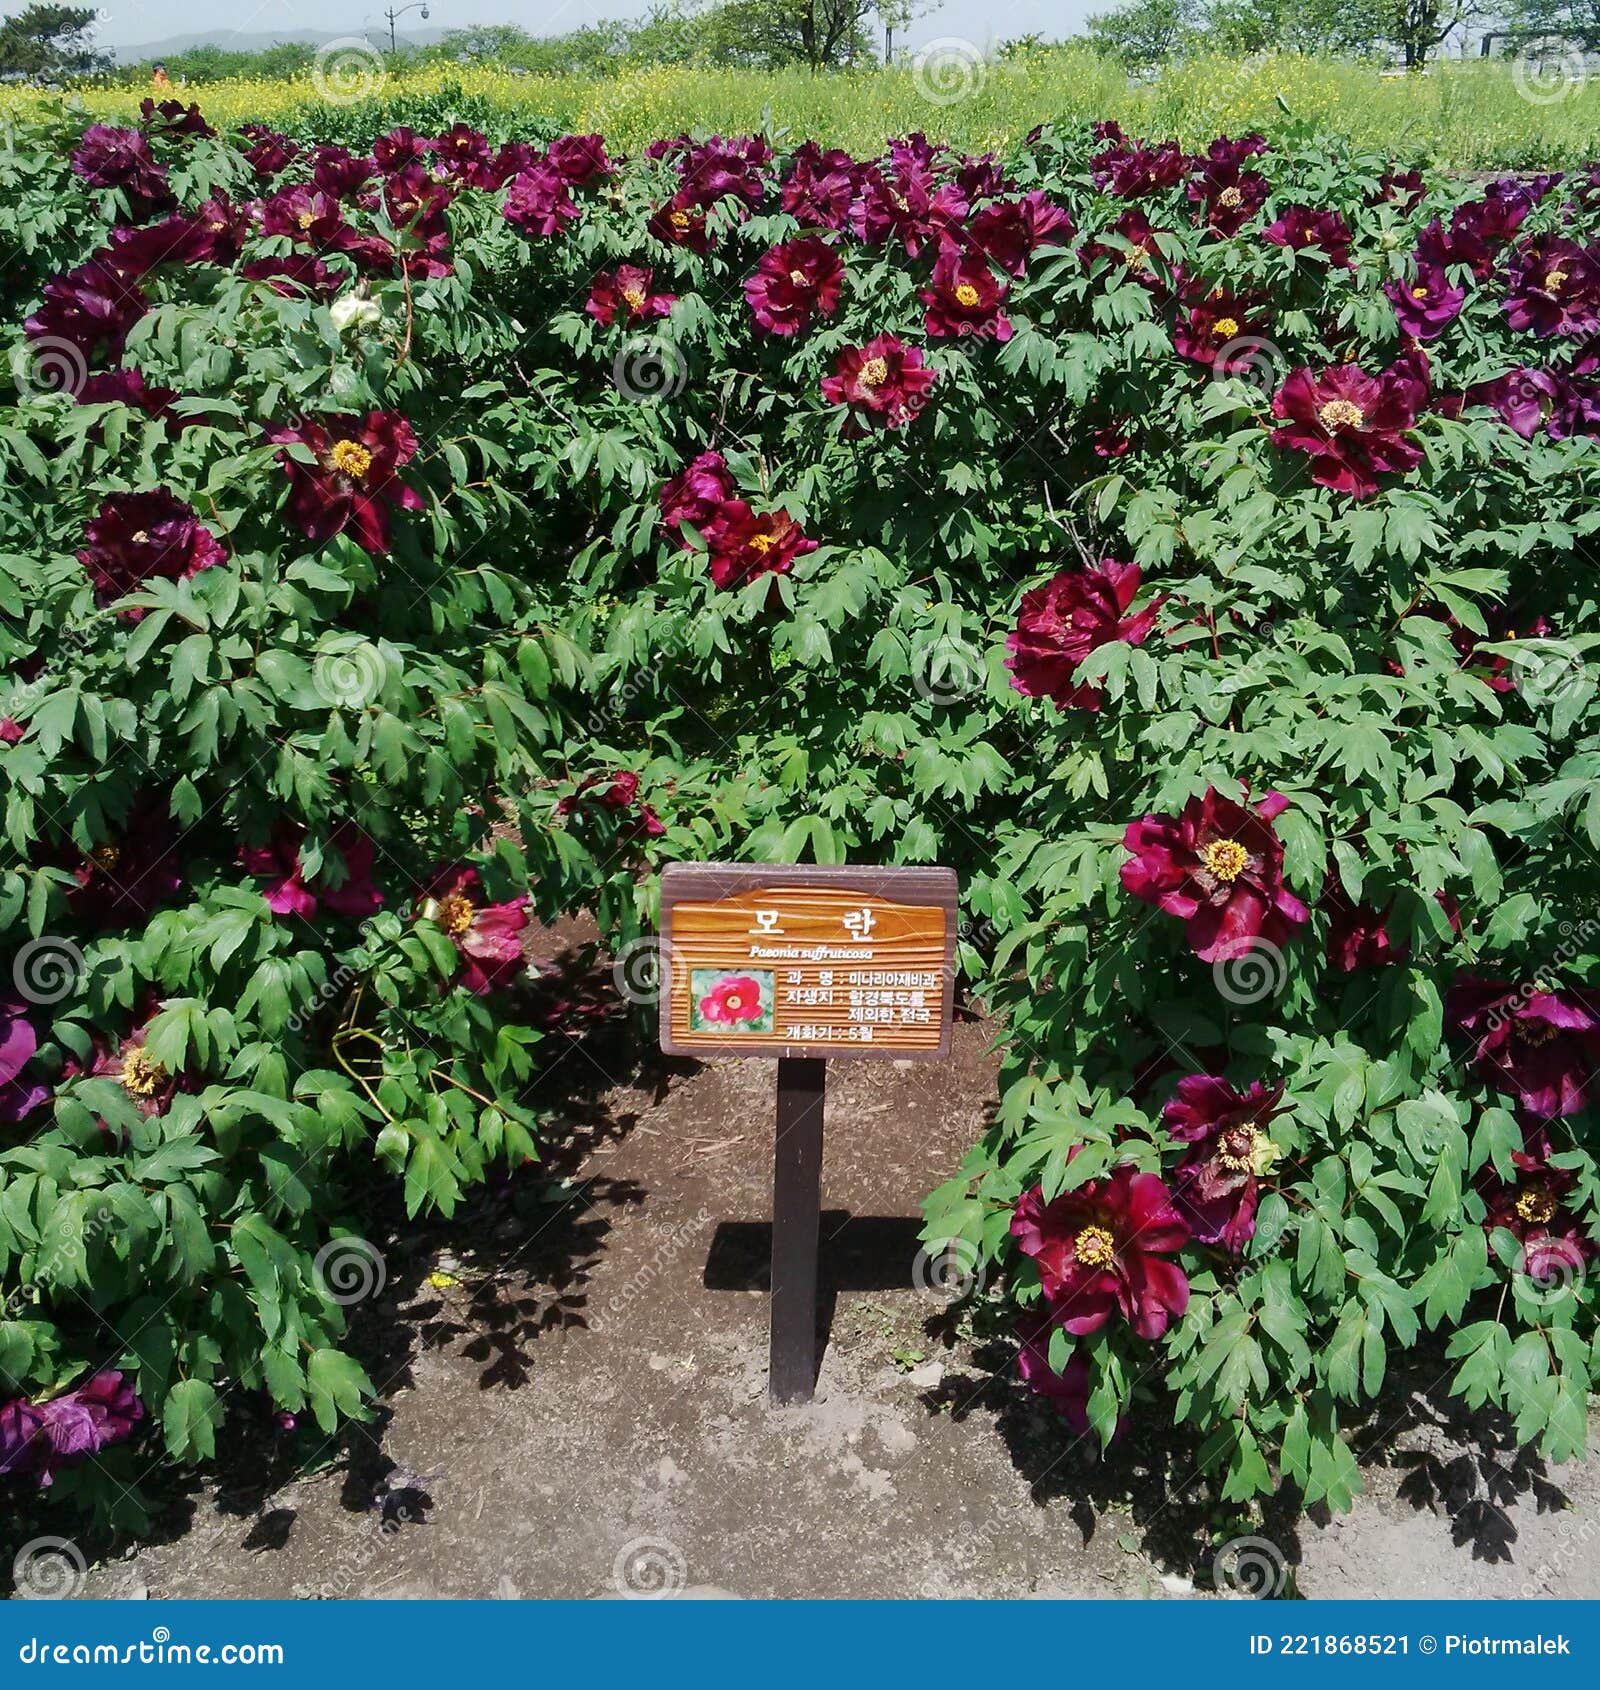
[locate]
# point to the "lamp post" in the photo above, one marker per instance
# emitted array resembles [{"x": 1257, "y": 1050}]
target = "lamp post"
[{"x": 392, "y": 14}]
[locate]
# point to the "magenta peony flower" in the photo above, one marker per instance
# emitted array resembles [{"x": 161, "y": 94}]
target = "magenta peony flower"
[
  {"x": 128, "y": 387},
  {"x": 964, "y": 298},
  {"x": 581, "y": 159},
  {"x": 269, "y": 152},
  {"x": 139, "y": 536},
  {"x": 1428, "y": 305},
  {"x": 1226, "y": 195},
  {"x": 1554, "y": 288},
  {"x": 679, "y": 223},
  {"x": 626, "y": 291},
  {"x": 121, "y": 158},
  {"x": 172, "y": 117},
  {"x": 1009, "y": 232},
  {"x": 338, "y": 171},
  {"x": 399, "y": 148},
  {"x": 1216, "y": 1186},
  {"x": 1540, "y": 1045},
  {"x": 41, "y": 1438},
  {"x": 353, "y": 480},
  {"x": 1134, "y": 171},
  {"x": 291, "y": 891},
  {"x": 1066, "y": 1392},
  {"x": 146, "y": 1081},
  {"x": 1101, "y": 1250},
  {"x": 1060, "y": 623},
  {"x": 18, "y": 1042},
  {"x": 484, "y": 934},
  {"x": 906, "y": 203},
  {"x": 1218, "y": 867},
  {"x": 820, "y": 187},
  {"x": 697, "y": 494},
  {"x": 540, "y": 202},
  {"x": 792, "y": 283},
  {"x": 1351, "y": 424},
  {"x": 885, "y": 382}
]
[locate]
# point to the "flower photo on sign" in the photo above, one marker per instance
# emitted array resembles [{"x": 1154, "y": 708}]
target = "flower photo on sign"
[{"x": 720, "y": 1002}]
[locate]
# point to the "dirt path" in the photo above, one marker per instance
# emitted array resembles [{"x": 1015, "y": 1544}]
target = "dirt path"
[{"x": 574, "y": 1405}]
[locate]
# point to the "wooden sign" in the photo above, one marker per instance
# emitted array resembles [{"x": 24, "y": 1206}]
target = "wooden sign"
[
  {"x": 802, "y": 964},
  {"x": 769, "y": 961}
]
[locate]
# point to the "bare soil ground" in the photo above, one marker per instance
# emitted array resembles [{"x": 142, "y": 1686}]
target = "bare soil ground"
[{"x": 572, "y": 1378}]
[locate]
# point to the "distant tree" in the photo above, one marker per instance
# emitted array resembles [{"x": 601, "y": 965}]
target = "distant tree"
[
  {"x": 48, "y": 43},
  {"x": 1147, "y": 32},
  {"x": 1578, "y": 19}
]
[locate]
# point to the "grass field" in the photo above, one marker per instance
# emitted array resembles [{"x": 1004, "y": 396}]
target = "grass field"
[{"x": 1462, "y": 115}]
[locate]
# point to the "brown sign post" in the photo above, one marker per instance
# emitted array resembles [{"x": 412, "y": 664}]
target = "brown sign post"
[{"x": 803, "y": 964}]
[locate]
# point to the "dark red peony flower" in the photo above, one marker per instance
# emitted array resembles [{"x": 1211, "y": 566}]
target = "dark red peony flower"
[
  {"x": 306, "y": 215},
  {"x": 1403, "y": 188},
  {"x": 149, "y": 1086},
  {"x": 1009, "y": 232},
  {"x": 338, "y": 171},
  {"x": 1524, "y": 399},
  {"x": 697, "y": 494},
  {"x": 679, "y": 223},
  {"x": 292, "y": 890},
  {"x": 1102, "y": 1248},
  {"x": 1134, "y": 171},
  {"x": 399, "y": 148},
  {"x": 615, "y": 792},
  {"x": 1060, "y": 623},
  {"x": 1300, "y": 228},
  {"x": 1221, "y": 331},
  {"x": 820, "y": 187},
  {"x": 121, "y": 158},
  {"x": 1066, "y": 1392},
  {"x": 734, "y": 998},
  {"x": 540, "y": 202},
  {"x": 172, "y": 117},
  {"x": 122, "y": 879},
  {"x": 1541, "y": 1045},
  {"x": 1554, "y": 288},
  {"x": 1351, "y": 424},
  {"x": 964, "y": 298},
  {"x": 269, "y": 152},
  {"x": 1217, "y": 1185},
  {"x": 1531, "y": 1208},
  {"x": 1358, "y": 934},
  {"x": 906, "y": 203},
  {"x": 626, "y": 290},
  {"x": 128, "y": 387},
  {"x": 1427, "y": 305},
  {"x": 353, "y": 478},
  {"x": 485, "y": 934},
  {"x": 885, "y": 382},
  {"x": 1226, "y": 195},
  {"x": 1218, "y": 867},
  {"x": 138, "y": 536},
  {"x": 792, "y": 283},
  {"x": 746, "y": 544},
  {"x": 713, "y": 170},
  {"x": 581, "y": 159},
  {"x": 91, "y": 308},
  {"x": 39, "y": 1439}
]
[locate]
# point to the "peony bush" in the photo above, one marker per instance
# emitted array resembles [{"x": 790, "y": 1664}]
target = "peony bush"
[{"x": 412, "y": 535}]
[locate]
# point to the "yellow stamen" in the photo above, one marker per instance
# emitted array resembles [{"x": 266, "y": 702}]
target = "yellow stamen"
[
  {"x": 633, "y": 298},
  {"x": 966, "y": 295},
  {"x": 680, "y": 220},
  {"x": 1419, "y": 293},
  {"x": 455, "y": 913},
  {"x": 1225, "y": 859},
  {"x": 1340, "y": 413},
  {"x": 1227, "y": 328},
  {"x": 733, "y": 1000},
  {"x": 762, "y": 543},
  {"x": 305, "y": 219},
  {"x": 1231, "y": 198},
  {"x": 106, "y": 856},
  {"x": 1094, "y": 1247},
  {"x": 1555, "y": 281},
  {"x": 350, "y": 458},
  {"x": 142, "y": 1075},
  {"x": 874, "y": 373},
  {"x": 1535, "y": 1206},
  {"x": 799, "y": 278}
]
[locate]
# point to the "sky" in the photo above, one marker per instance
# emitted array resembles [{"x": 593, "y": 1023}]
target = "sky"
[{"x": 129, "y": 23}]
